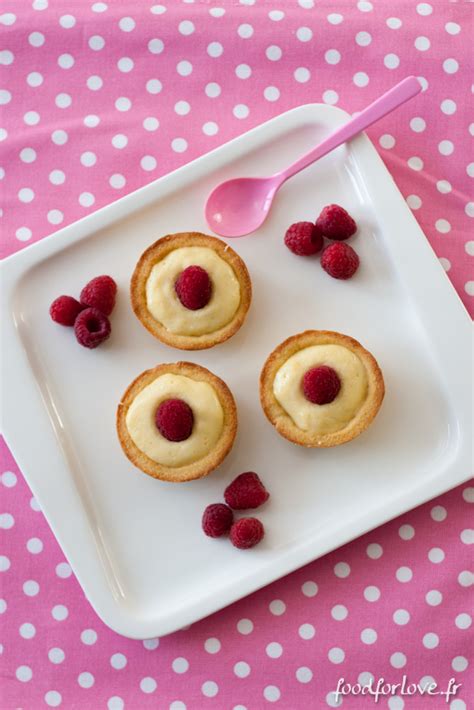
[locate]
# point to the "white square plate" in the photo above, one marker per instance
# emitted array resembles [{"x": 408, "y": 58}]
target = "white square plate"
[{"x": 135, "y": 543}]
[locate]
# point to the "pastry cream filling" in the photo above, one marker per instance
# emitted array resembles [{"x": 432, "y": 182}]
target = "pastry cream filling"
[
  {"x": 324, "y": 418},
  {"x": 208, "y": 420},
  {"x": 165, "y": 306}
]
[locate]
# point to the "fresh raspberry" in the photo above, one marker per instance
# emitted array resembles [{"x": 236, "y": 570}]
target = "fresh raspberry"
[
  {"x": 246, "y": 491},
  {"x": 91, "y": 327},
  {"x": 246, "y": 533},
  {"x": 321, "y": 384},
  {"x": 340, "y": 260},
  {"x": 193, "y": 288},
  {"x": 174, "y": 419},
  {"x": 304, "y": 238},
  {"x": 336, "y": 223},
  {"x": 217, "y": 520},
  {"x": 100, "y": 293},
  {"x": 65, "y": 309}
]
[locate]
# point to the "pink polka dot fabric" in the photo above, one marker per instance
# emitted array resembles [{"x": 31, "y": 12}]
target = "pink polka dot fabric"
[{"x": 99, "y": 98}]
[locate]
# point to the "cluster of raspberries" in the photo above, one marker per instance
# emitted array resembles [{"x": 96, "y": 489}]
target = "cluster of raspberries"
[
  {"x": 338, "y": 259},
  {"x": 245, "y": 492},
  {"x": 89, "y": 315}
]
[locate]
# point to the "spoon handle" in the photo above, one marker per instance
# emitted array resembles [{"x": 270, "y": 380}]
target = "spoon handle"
[{"x": 389, "y": 101}]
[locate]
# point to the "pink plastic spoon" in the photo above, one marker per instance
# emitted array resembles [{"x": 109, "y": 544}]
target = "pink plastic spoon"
[{"x": 238, "y": 207}]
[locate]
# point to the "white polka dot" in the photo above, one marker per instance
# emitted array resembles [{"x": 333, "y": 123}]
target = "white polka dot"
[
  {"x": 118, "y": 661},
  {"x": 394, "y": 23},
  {"x": 339, "y": 612},
  {"x": 36, "y": 39},
  {"x": 31, "y": 588},
  {"x": 467, "y": 494},
  {"x": 368, "y": 636},
  {"x": 241, "y": 111},
  {"x": 443, "y": 186},
  {"x": 274, "y": 650},
  {"x": 148, "y": 162},
  {"x": 423, "y": 82},
  {"x": 463, "y": 621},
  {"x": 450, "y": 65},
  {"x": 34, "y": 544},
  {"x": 40, "y": 4},
  {"x": 387, "y": 141},
  {"x": 391, "y": 61},
  {"x": 243, "y": 71},
  {"x": 422, "y": 44},
  {"x": 415, "y": 163},
  {"x": 186, "y": 27},
  {"x": 119, "y": 140},
  {"x": 23, "y": 234},
  {"x": 452, "y": 28},
  {"x": 3, "y": 136},
  {"x": 180, "y": 665},
  {"x": 374, "y": 551},
  {"x": 66, "y": 61},
  {"x": 154, "y": 86},
  {"x": 304, "y": 34},
  {"x": 59, "y": 612},
  {"x": 372, "y": 593},
  {"x": 276, "y": 15},
  {"x": 24, "y": 673},
  {"x": 210, "y": 128},
  {"x": 151, "y": 123},
  {"x": 3, "y": 606},
  {"x": 34, "y": 505},
  {"x": 127, "y": 24},
  {"x": 330, "y": 97},
  {"x": 125, "y": 64},
  {"x": 99, "y": 7},
  {"x": 215, "y": 49},
  {"x": 59, "y": 137},
  {"x": 306, "y": 631},
  {"x": 177, "y": 705},
  {"x": 469, "y": 210},
  {"x": 8, "y": 18},
  {"x": 433, "y": 597},
  {"x": 271, "y": 693},
  {"x": 245, "y": 31},
  {"x": 88, "y": 637},
  {"x": 438, "y": 513},
  {"x": 365, "y": 6},
  {"x": 457, "y": 704},
  {"x": 406, "y": 532},
  {"x": 304, "y": 674},
  {"x": 424, "y": 8},
  {"x": 448, "y": 106},
  {"x": 335, "y": 18},
  {"x": 273, "y": 53},
  {"x": 88, "y": 159},
  {"x": 467, "y": 536},
  {"x": 31, "y": 118},
  {"x": 363, "y": 39},
  {"x": 306, "y": 4},
  {"x": 459, "y": 664},
  {"x": 184, "y": 68},
  {"x": 151, "y": 644},
  {"x": 56, "y": 655},
  {"x": 212, "y": 645},
  {"x": 213, "y": 90},
  {"x": 86, "y": 199},
  {"x": 332, "y": 700},
  {"x": 53, "y": 698},
  {"x": 398, "y": 660},
  {"x": 7, "y": 521},
  {"x": 469, "y": 248},
  {"x": 277, "y": 607},
  {"x": 117, "y": 181},
  {"x": 63, "y": 570},
  {"x": 63, "y": 100},
  {"x": 116, "y": 703},
  {"x": 209, "y": 689},
  {"x": 332, "y": 56},
  {"x": 417, "y": 124},
  {"x": 360, "y": 78},
  {"x": 241, "y": 669},
  {"x": 396, "y": 703},
  {"x": 9, "y": 479},
  {"x": 157, "y": 9},
  {"x": 404, "y": 574},
  {"x": 414, "y": 202},
  {"x": 155, "y": 46},
  {"x": 309, "y": 589},
  {"x": 445, "y": 263},
  {"x": 94, "y": 83},
  {"x": 27, "y": 631},
  {"x": 302, "y": 75},
  {"x": 91, "y": 121},
  {"x": 85, "y": 679},
  {"x": 123, "y": 104},
  {"x": 401, "y": 617},
  {"x": 342, "y": 570},
  {"x": 244, "y": 626},
  {"x": 67, "y": 21},
  {"x": 430, "y": 640},
  {"x": 271, "y": 93},
  {"x": 336, "y": 655},
  {"x": 96, "y": 42},
  {"x": 26, "y": 194},
  {"x": 34, "y": 79},
  {"x": 443, "y": 226},
  {"x": 470, "y": 169}
]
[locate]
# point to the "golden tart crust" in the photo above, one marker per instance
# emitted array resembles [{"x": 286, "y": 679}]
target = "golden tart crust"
[
  {"x": 196, "y": 469},
  {"x": 158, "y": 251},
  {"x": 282, "y": 421}
]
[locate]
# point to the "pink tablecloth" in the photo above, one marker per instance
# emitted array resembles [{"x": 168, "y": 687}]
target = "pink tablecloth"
[{"x": 97, "y": 99}]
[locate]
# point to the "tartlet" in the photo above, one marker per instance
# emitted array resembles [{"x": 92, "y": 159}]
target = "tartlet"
[
  {"x": 155, "y": 299},
  {"x": 352, "y": 372},
  {"x": 214, "y": 425}
]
